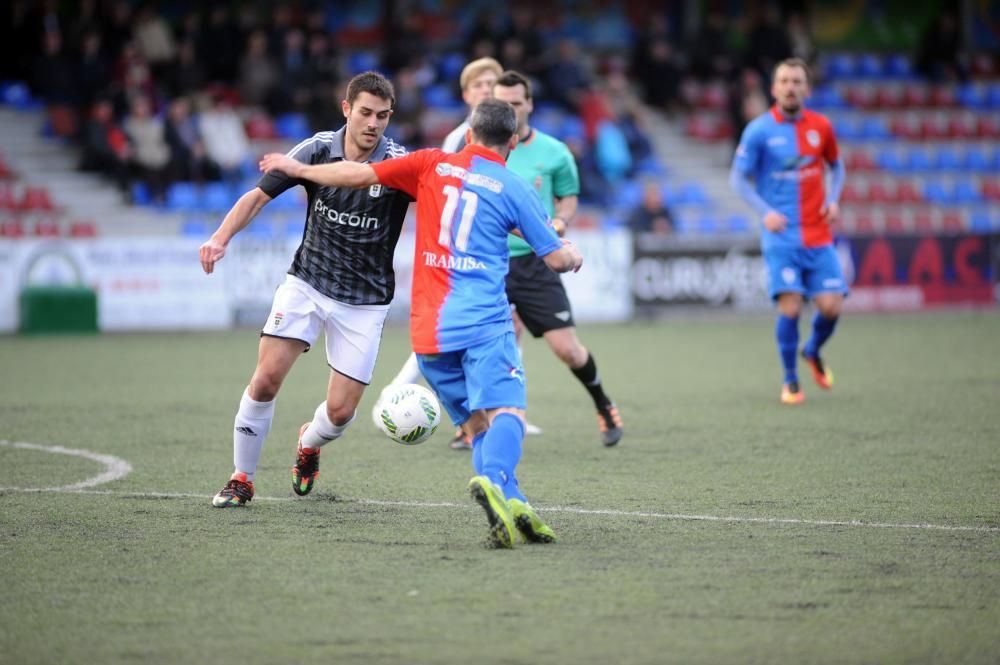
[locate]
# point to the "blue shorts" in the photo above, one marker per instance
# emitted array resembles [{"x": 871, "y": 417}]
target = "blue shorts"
[
  {"x": 488, "y": 375},
  {"x": 805, "y": 270}
]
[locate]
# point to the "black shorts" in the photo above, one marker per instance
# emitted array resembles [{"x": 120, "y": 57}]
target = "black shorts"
[{"x": 538, "y": 294}]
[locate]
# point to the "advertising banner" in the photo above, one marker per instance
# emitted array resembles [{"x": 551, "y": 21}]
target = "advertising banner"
[
  {"x": 710, "y": 272},
  {"x": 905, "y": 273}
]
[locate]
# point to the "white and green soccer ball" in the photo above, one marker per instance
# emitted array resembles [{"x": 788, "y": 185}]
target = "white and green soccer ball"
[{"x": 407, "y": 413}]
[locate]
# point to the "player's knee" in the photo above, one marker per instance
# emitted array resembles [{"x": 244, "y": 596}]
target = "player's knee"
[
  {"x": 829, "y": 309},
  {"x": 340, "y": 413},
  {"x": 264, "y": 386}
]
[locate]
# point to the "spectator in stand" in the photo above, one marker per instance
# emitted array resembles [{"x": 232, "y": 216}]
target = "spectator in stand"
[
  {"x": 187, "y": 75},
  {"x": 132, "y": 78},
  {"x": 225, "y": 138},
  {"x": 187, "y": 149},
  {"x": 294, "y": 92},
  {"x": 221, "y": 45},
  {"x": 628, "y": 113},
  {"x": 524, "y": 28},
  {"x": 800, "y": 39},
  {"x": 712, "y": 57},
  {"x": 154, "y": 39},
  {"x": 768, "y": 42},
  {"x": 259, "y": 74},
  {"x": 150, "y": 151},
  {"x": 658, "y": 73},
  {"x": 568, "y": 79},
  {"x": 408, "y": 110},
  {"x": 52, "y": 73},
  {"x": 939, "y": 55},
  {"x": 117, "y": 29},
  {"x": 105, "y": 146},
  {"x": 92, "y": 72},
  {"x": 746, "y": 101},
  {"x": 652, "y": 214}
]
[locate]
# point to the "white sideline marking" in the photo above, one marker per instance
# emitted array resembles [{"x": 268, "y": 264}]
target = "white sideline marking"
[
  {"x": 119, "y": 468},
  {"x": 114, "y": 467}
]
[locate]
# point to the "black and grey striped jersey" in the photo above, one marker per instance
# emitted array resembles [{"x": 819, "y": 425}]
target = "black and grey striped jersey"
[{"x": 350, "y": 234}]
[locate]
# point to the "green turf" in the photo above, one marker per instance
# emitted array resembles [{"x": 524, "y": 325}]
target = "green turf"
[{"x": 909, "y": 436}]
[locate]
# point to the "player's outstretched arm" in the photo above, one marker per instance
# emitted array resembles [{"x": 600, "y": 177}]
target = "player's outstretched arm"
[
  {"x": 564, "y": 259},
  {"x": 241, "y": 214},
  {"x": 338, "y": 174}
]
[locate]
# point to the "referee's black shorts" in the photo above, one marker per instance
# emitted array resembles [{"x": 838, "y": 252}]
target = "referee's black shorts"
[{"x": 538, "y": 294}]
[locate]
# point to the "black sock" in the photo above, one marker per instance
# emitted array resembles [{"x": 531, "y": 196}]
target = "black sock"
[{"x": 587, "y": 374}]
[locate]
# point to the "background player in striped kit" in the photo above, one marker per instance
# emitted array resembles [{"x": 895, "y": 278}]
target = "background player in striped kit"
[
  {"x": 785, "y": 152},
  {"x": 341, "y": 282},
  {"x": 460, "y": 321}
]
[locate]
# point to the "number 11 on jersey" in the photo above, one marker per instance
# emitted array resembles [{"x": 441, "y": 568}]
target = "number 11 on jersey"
[{"x": 469, "y": 203}]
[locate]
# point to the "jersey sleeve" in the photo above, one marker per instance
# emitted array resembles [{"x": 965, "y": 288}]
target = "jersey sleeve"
[
  {"x": 534, "y": 224},
  {"x": 566, "y": 180},
  {"x": 276, "y": 182},
  {"x": 748, "y": 152},
  {"x": 403, "y": 173}
]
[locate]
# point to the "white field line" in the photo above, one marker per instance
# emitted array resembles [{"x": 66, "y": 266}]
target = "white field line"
[{"x": 118, "y": 468}]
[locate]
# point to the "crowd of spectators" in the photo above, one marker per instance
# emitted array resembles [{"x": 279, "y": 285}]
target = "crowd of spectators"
[{"x": 161, "y": 93}]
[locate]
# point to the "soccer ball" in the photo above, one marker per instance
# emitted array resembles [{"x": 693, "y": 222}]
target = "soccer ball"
[{"x": 407, "y": 414}]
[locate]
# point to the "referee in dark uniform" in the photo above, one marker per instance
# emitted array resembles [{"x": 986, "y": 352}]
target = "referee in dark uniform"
[{"x": 340, "y": 283}]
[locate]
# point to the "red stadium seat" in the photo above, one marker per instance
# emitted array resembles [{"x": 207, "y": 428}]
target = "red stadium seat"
[
  {"x": 894, "y": 222},
  {"x": 953, "y": 222},
  {"x": 860, "y": 160},
  {"x": 923, "y": 221},
  {"x": 991, "y": 189},
  {"x": 36, "y": 199},
  {"x": 934, "y": 127},
  {"x": 906, "y": 192},
  {"x": 47, "y": 228},
  {"x": 943, "y": 96},
  {"x": 80, "y": 229},
  {"x": 916, "y": 96},
  {"x": 879, "y": 192},
  {"x": 852, "y": 193},
  {"x": 987, "y": 127},
  {"x": 906, "y": 127},
  {"x": 11, "y": 228}
]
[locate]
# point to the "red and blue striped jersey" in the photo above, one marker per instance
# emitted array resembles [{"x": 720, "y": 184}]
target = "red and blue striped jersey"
[
  {"x": 467, "y": 203},
  {"x": 785, "y": 157}
]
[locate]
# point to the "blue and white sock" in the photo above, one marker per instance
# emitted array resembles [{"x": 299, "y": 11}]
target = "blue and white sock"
[
  {"x": 786, "y": 331},
  {"x": 501, "y": 452}
]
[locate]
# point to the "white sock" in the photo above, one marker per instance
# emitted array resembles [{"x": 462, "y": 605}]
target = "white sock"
[
  {"x": 409, "y": 373},
  {"x": 321, "y": 430},
  {"x": 253, "y": 422}
]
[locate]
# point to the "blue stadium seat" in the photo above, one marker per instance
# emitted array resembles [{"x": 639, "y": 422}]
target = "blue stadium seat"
[
  {"x": 18, "y": 95},
  {"x": 966, "y": 192},
  {"x": 295, "y": 229},
  {"x": 292, "y": 126},
  {"x": 993, "y": 97},
  {"x": 875, "y": 128},
  {"x": 183, "y": 196},
  {"x": 571, "y": 128},
  {"x": 936, "y": 192},
  {"x": 217, "y": 197},
  {"x": 840, "y": 66},
  {"x": 627, "y": 194},
  {"x": 361, "y": 61},
  {"x": 845, "y": 128},
  {"x": 890, "y": 161},
  {"x": 261, "y": 227},
  {"x": 981, "y": 221},
  {"x": 948, "y": 159},
  {"x": 195, "y": 227},
  {"x": 450, "y": 66},
  {"x": 899, "y": 66},
  {"x": 651, "y": 166},
  {"x": 738, "y": 224},
  {"x": 870, "y": 66},
  {"x": 709, "y": 225},
  {"x": 972, "y": 96},
  {"x": 919, "y": 159},
  {"x": 442, "y": 97},
  {"x": 692, "y": 193},
  {"x": 140, "y": 194},
  {"x": 977, "y": 159}
]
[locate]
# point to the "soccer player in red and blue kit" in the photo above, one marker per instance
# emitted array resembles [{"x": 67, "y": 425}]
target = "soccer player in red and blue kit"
[
  {"x": 786, "y": 152},
  {"x": 460, "y": 321}
]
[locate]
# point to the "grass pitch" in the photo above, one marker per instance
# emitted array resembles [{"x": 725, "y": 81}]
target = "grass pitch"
[{"x": 861, "y": 527}]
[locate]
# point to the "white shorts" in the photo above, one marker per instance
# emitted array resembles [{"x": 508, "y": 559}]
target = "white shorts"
[{"x": 353, "y": 332}]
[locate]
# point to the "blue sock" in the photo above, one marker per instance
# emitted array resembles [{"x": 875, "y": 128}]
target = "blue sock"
[
  {"x": 822, "y": 329},
  {"x": 501, "y": 451},
  {"x": 477, "y": 453},
  {"x": 787, "y": 333}
]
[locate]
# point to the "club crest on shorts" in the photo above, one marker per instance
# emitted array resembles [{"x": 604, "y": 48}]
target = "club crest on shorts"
[
  {"x": 375, "y": 191},
  {"x": 788, "y": 275}
]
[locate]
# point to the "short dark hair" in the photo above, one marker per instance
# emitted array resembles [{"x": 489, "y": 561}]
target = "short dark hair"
[
  {"x": 794, "y": 62},
  {"x": 511, "y": 78},
  {"x": 372, "y": 83},
  {"x": 493, "y": 122}
]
